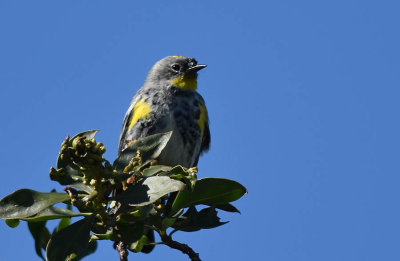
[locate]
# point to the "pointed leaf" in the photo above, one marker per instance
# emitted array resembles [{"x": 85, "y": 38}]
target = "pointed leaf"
[
  {"x": 156, "y": 169},
  {"x": 149, "y": 190},
  {"x": 138, "y": 245},
  {"x": 194, "y": 221},
  {"x": 150, "y": 146},
  {"x": 179, "y": 170},
  {"x": 41, "y": 235},
  {"x": 89, "y": 134},
  {"x": 227, "y": 207},
  {"x": 92, "y": 247},
  {"x": 25, "y": 203},
  {"x": 167, "y": 222},
  {"x": 54, "y": 213},
  {"x": 73, "y": 239},
  {"x": 131, "y": 232},
  {"x": 64, "y": 222},
  {"x": 209, "y": 191},
  {"x": 70, "y": 176}
]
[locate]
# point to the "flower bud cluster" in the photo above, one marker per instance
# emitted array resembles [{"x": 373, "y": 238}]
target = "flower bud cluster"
[{"x": 82, "y": 158}]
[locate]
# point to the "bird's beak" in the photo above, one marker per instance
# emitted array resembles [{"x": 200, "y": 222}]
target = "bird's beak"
[{"x": 197, "y": 68}]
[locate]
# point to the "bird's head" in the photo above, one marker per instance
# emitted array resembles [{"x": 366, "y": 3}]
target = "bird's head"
[{"x": 177, "y": 71}]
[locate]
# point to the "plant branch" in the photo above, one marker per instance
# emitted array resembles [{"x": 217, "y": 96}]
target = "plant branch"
[
  {"x": 122, "y": 251},
  {"x": 167, "y": 240}
]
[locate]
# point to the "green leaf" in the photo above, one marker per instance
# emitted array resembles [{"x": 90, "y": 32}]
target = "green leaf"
[
  {"x": 88, "y": 189},
  {"x": 109, "y": 235},
  {"x": 12, "y": 222},
  {"x": 41, "y": 235},
  {"x": 149, "y": 190},
  {"x": 73, "y": 239},
  {"x": 167, "y": 222},
  {"x": 54, "y": 213},
  {"x": 138, "y": 245},
  {"x": 178, "y": 170},
  {"x": 89, "y": 134},
  {"x": 64, "y": 222},
  {"x": 131, "y": 232},
  {"x": 227, "y": 207},
  {"x": 154, "y": 170},
  {"x": 194, "y": 221},
  {"x": 92, "y": 247},
  {"x": 150, "y": 146},
  {"x": 70, "y": 176},
  {"x": 209, "y": 191},
  {"x": 25, "y": 203},
  {"x": 66, "y": 175}
]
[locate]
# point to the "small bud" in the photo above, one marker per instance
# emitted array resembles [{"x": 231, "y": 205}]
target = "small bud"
[
  {"x": 102, "y": 149},
  {"x": 160, "y": 207},
  {"x": 93, "y": 182},
  {"x": 128, "y": 168},
  {"x": 193, "y": 170},
  {"x": 153, "y": 162},
  {"x": 65, "y": 141},
  {"x": 77, "y": 142}
]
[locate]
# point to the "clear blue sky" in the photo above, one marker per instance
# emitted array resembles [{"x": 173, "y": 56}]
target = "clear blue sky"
[{"x": 303, "y": 98}]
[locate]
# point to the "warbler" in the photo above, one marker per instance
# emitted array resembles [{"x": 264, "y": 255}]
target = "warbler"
[{"x": 168, "y": 101}]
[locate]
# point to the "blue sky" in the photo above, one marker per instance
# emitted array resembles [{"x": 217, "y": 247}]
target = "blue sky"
[{"x": 303, "y": 98}]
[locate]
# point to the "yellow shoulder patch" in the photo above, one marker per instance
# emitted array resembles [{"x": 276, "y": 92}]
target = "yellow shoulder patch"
[
  {"x": 141, "y": 110},
  {"x": 203, "y": 118},
  {"x": 184, "y": 82}
]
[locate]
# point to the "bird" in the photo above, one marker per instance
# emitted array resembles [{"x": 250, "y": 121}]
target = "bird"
[{"x": 169, "y": 101}]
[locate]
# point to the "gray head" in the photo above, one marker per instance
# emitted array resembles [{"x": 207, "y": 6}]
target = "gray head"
[{"x": 178, "y": 71}]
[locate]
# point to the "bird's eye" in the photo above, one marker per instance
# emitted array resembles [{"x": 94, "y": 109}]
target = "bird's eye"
[{"x": 176, "y": 67}]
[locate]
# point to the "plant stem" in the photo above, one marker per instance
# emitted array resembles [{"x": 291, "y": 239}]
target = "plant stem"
[
  {"x": 122, "y": 251},
  {"x": 167, "y": 240}
]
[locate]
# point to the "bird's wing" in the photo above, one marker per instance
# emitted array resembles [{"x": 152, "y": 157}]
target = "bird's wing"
[
  {"x": 127, "y": 120},
  {"x": 206, "y": 137}
]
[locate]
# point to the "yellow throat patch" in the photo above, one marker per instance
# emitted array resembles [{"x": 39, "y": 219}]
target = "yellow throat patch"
[
  {"x": 185, "y": 82},
  {"x": 141, "y": 110}
]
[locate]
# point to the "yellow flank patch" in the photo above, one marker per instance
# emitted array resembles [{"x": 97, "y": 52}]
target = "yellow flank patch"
[
  {"x": 176, "y": 56},
  {"x": 141, "y": 110},
  {"x": 185, "y": 82},
  {"x": 203, "y": 119}
]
